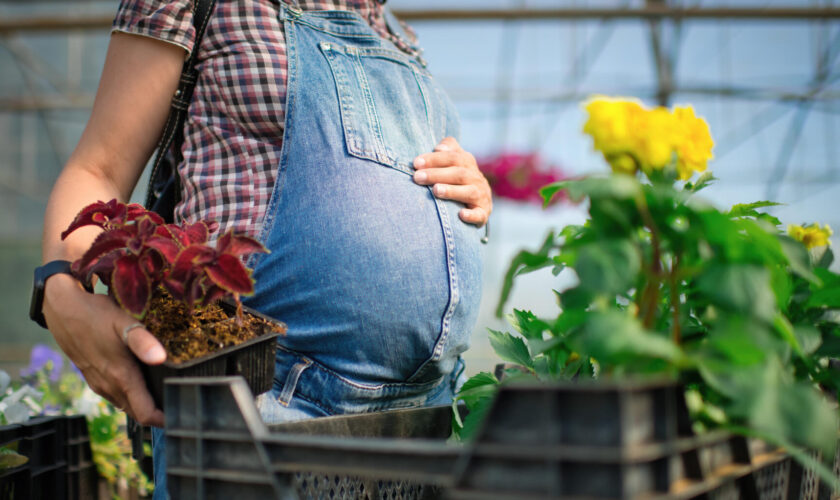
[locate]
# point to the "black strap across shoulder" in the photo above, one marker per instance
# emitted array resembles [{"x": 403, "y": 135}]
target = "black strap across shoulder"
[{"x": 164, "y": 191}]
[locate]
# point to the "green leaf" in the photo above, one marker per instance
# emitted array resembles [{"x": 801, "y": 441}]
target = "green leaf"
[
  {"x": 9, "y": 459},
  {"x": 736, "y": 339},
  {"x": 551, "y": 367},
  {"x": 703, "y": 181},
  {"x": 788, "y": 333},
  {"x": 621, "y": 187},
  {"x": 577, "y": 298},
  {"x": 613, "y": 218},
  {"x": 616, "y": 338},
  {"x": 795, "y": 411},
  {"x": 830, "y": 346},
  {"x": 809, "y": 338},
  {"x": 511, "y": 349},
  {"x": 480, "y": 385},
  {"x": 783, "y": 287},
  {"x": 798, "y": 258},
  {"x": 826, "y": 294},
  {"x": 822, "y": 256},
  {"x": 749, "y": 209},
  {"x": 608, "y": 267},
  {"x": 478, "y": 393},
  {"x": 525, "y": 261},
  {"x": 475, "y": 418},
  {"x": 547, "y": 192},
  {"x": 527, "y": 324},
  {"x": 741, "y": 288}
]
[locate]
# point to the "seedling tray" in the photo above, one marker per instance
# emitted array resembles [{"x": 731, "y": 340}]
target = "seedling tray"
[{"x": 252, "y": 359}]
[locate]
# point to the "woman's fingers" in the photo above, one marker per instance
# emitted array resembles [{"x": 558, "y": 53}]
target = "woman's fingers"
[
  {"x": 476, "y": 216},
  {"x": 143, "y": 344},
  {"x": 454, "y": 175}
]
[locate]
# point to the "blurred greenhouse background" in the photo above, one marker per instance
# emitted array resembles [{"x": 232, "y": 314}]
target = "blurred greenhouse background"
[{"x": 765, "y": 74}]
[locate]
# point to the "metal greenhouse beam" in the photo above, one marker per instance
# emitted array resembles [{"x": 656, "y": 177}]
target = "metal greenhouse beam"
[
  {"x": 650, "y": 12},
  {"x": 645, "y": 12}
]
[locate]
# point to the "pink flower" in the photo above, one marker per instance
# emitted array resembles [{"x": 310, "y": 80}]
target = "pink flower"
[{"x": 519, "y": 177}]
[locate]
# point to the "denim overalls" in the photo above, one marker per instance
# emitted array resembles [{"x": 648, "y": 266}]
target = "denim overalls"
[{"x": 378, "y": 281}]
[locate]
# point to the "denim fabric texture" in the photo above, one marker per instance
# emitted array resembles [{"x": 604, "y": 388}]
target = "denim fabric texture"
[{"x": 378, "y": 281}]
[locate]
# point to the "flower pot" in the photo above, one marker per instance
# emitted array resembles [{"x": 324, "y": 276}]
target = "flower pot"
[{"x": 252, "y": 359}]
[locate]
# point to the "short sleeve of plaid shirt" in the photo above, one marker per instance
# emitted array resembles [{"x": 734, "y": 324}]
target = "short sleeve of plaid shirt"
[
  {"x": 233, "y": 135},
  {"x": 170, "y": 21}
]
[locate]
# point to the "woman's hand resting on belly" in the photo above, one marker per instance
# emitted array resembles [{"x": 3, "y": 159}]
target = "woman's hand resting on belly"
[{"x": 454, "y": 175}]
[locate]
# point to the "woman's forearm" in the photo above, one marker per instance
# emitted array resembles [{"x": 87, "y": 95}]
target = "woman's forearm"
[{"x": 131, "y": 105}]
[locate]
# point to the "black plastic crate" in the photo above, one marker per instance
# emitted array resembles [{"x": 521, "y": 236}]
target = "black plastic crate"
[
  {"x": 81, "y": 477},
  {"x": 44, "y": 445},
  {"x": 60, "y": 461},
  {"x": 14, "y": 483},
  {"x": 534, "y": 445},
  {"x": 252, "y": 359}
]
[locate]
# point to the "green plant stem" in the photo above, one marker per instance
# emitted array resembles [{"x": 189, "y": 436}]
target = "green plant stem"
[
  {"x": 676, "y": 329},
  {"x": 650, "y": 295}
]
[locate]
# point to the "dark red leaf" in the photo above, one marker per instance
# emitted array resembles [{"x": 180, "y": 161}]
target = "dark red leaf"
[
  {"x": 146, "y": 227},
  {"x": 153, "y": 264},
  {"x": 231, "y": 274},
  {"x": 174, "y": 233},
  {"x": 131, "y": 286},
  {"x": 167, "y": 247},
  {"x": 104, "y": 267},
  {"x": 198, "y": 232},
  {"x": 96, "y": 214},
  {"x": 176, "y": 288},
  {"x": 213, "y": 294},
  {"x": 104, "y": 243},
  {"x": 239, "y": 245},
  {"x": 193, "y": 255},
  {"x": 134, "y": 211}
]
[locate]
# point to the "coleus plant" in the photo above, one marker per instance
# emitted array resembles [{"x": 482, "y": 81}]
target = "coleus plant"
[{"x": 137, "y": 253}]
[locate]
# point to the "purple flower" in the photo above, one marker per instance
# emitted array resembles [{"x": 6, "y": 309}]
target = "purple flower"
[{"x": 39, "y": 357}]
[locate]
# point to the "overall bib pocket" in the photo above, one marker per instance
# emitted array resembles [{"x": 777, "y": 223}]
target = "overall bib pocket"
[{"x": 368, "y": 81}]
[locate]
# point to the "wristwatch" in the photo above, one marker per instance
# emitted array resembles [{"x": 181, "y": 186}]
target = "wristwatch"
[{"x": 42, "y": 274}]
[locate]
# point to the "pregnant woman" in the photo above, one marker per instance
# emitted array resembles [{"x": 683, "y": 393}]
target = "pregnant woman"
[{"x": 316, "y": 128}]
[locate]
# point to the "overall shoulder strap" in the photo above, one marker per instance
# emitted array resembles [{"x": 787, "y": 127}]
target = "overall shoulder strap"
[{"x": 163, "y": 177}]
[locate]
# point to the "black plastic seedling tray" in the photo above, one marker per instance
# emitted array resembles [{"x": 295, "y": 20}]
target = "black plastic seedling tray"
[{"x": 252, "y": 359}]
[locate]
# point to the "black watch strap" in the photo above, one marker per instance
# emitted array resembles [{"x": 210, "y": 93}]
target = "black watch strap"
[{"x": 43, "y": 273}]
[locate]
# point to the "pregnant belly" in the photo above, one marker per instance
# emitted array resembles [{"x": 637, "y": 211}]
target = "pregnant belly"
[{"x": 372, "y": 275}]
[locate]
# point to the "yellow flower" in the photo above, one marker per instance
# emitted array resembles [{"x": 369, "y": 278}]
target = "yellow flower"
[
  {"x": 654, "y": 138},
  {"x": 693, "y": 142},
  {"x": 611, "y": 122},
  {"x": 811, "y": 236},
  {"x": 624, "y": 130}
]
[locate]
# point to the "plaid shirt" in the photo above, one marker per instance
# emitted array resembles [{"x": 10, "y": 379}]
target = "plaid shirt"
[{"x": 234, "y": 132}]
